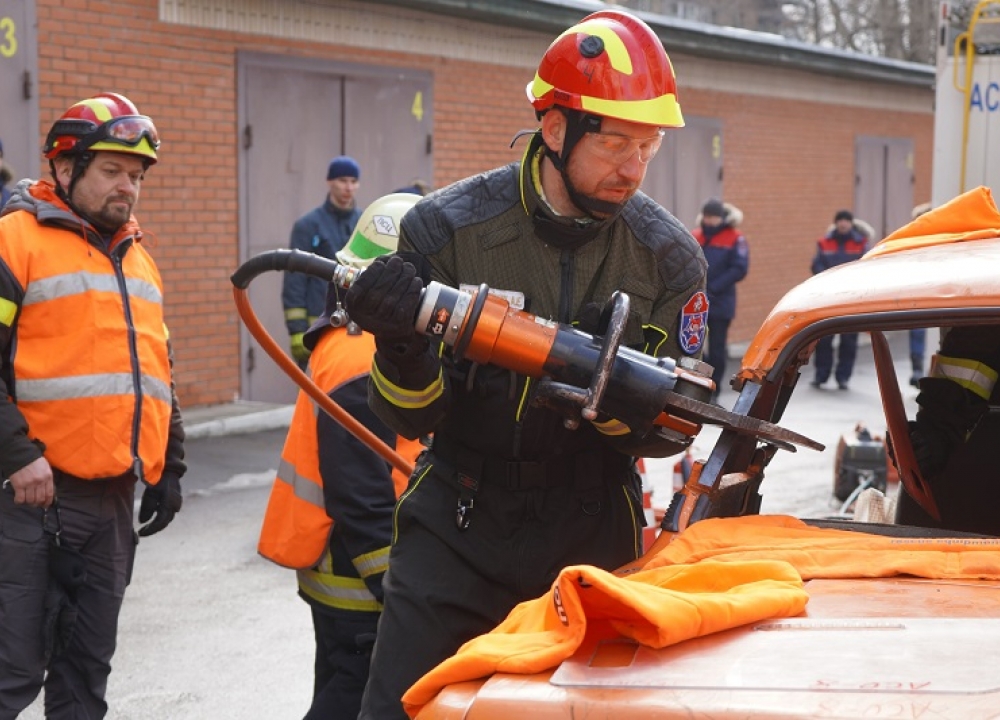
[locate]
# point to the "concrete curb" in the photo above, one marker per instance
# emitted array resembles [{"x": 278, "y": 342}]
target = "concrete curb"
[{"x": 250, "y": 422}]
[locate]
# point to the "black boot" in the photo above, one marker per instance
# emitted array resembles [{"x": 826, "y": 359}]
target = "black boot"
[{"x": 918, "y": 370}]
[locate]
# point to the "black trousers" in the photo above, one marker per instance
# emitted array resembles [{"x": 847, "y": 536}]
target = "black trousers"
[
  {"x": 445, "y": 586},
  {"x": 344, "y": 642},
  {"x": 847, "y": 351},
  {"x": 96, "y": 520}
]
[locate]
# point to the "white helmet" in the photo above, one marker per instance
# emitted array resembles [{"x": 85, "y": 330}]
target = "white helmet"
[{"x": 377, "y": 231}]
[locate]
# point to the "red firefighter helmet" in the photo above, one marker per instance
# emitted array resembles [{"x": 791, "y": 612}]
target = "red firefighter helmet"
[
  {"x": 610, "y": 64},
  {"x": 107, "y": 121}
]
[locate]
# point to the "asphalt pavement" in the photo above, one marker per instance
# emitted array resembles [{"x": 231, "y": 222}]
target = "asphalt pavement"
[{"x": 211, "y": 631}]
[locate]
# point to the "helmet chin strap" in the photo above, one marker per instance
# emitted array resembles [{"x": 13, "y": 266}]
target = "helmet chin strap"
[{"x": 579, "y": 124}]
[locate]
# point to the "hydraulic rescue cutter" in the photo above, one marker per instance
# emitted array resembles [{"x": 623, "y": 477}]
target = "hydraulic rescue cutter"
[{"x": 580, "y": 375}]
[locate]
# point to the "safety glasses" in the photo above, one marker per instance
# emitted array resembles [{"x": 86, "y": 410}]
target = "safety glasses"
[
  {"x": 619, "y": 148},
  {"x": 128, "y": 130}
]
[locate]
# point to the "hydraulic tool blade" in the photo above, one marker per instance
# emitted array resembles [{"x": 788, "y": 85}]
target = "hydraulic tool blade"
[{"x": 708, "y": 414}]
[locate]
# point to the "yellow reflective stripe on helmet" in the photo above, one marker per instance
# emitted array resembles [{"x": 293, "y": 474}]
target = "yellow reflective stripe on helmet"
[
  {"x": 611, "y": 427},
  {"x": 100, "y": 110},
  {"x": 8, "y": 311},
  {"x": 614, "y": 46},
  {"x": 970, "y": 374},
  {"x": 403, "y": 398},
  {"x": 372, "y": 563},
  {"x": 661, "y": 111},
  {"x": 295, "y": 314}
]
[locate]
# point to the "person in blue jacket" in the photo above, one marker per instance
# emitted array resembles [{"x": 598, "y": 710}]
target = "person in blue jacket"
[
  {"x": 323, "y": 230},
  {"x": 844, "y": 242},
  {"x": 728, "y": 257}
]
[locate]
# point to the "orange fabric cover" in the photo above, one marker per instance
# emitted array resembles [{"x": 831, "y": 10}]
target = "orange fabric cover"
[
  {"x": 823, "y": 553},
  {"x": 656, "y": 608},
  {"x": 948, "y": 223},
  {"x": 718, "y": 574}
]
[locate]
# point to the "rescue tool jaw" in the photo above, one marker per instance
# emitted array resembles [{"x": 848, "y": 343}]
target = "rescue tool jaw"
[{"x": 581, "y": 376}]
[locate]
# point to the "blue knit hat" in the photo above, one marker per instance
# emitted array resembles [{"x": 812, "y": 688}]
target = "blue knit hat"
[{"x": 343, "y": 166}]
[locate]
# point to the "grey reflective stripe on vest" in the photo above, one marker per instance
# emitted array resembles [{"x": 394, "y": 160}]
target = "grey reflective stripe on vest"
[
  {"x": 305, "y": 489},
  {"x": 77, "y": 283},
  {"x": 84, "y": 386}
]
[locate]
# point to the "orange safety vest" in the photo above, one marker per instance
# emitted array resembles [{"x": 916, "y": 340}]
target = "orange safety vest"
[
  {"x": 91, "y": 372},
  {"x": 296, "y": 528}
]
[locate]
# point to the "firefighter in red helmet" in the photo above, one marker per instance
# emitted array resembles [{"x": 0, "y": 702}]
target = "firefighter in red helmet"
[
  {"x": 507, "y": 495},
  {"x": 87, "y": 407}
]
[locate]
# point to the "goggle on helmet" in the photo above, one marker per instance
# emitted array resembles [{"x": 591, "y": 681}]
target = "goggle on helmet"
[
  {"x": 377, "y": 231},
  {"x": 612, "y": 65},
  {"x": 107, "y": 121}
]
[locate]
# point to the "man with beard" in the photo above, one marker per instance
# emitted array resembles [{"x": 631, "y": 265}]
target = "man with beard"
[
  {"x": 87, "y": 407},
  {"x": 508, "y": 495}
]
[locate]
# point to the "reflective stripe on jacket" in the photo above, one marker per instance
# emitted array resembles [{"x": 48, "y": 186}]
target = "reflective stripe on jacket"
[
  {"x": 298, "y": 527},
  {"x": 90, "y": 359}
]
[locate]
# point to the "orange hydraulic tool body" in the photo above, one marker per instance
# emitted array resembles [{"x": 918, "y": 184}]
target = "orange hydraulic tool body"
[{"x": 580, "y": 375}]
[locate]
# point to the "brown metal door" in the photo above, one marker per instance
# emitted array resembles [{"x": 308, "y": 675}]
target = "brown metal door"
[
  {"x": 883, "y": 195},
  {"x": 291, "y": 128},
  {"x": 295, "y": 115},
  {"x": 18, "y": 88},
  {"x": 688, "y": 169},
  {"x": 388, "y": 122}
]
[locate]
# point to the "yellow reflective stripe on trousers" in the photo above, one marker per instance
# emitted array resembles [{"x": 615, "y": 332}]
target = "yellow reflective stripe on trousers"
[
  {"x": 401, "y": 397},
  {"x": 970, "y": 374},
  {"x": 295, "y": 314},
  {"x": 304, "y": 489},
  {"x": 88, "y": 386},
  {"x": 77, "y": 283},
  {"x": 338, "y": 592},
  {"x": 372, "y": 563}
]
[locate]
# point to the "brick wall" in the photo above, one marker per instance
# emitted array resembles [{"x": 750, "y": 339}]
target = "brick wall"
[{"x": 788, "y": 165}]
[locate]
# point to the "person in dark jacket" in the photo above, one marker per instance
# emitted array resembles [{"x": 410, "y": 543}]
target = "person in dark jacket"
[
  {"x": 508, "y": 494},
  {"x": 5, "y": 178},
  {"x": 844, "y": 242},
  {"x": 330, "y": 511},
  {"x": 728, "y": 258},
  {"x": 955, "y": 434},
  {"x": 322, "y": 231}
]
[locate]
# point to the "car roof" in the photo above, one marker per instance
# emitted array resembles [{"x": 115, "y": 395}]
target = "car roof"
[{"x": 908, "y": 280}]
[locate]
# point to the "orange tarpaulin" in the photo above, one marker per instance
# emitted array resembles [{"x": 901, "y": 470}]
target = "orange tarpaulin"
[
  {"x": 948, "y": 223},
  {"x": 716, "y": 575}
]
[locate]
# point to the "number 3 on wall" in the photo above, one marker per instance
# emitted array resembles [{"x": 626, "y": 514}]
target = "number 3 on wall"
[{"x": 8, "y": 38}]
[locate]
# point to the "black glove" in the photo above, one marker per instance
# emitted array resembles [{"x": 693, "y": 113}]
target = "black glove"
[
  {"x": 931, "y": 449},
  {"x": 163, "y": 501},
  {"x": 385, "y": 298},
  {"x": 594, "y": 318}
]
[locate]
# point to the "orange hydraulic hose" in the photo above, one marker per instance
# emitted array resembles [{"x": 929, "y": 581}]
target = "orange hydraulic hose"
[{"x": 312, "y": 389}]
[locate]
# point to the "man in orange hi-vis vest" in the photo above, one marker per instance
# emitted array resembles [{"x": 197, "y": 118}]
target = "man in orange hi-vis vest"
[
  {"x": 330, "y": 514},
  {"x": 87, "y": 407}
]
